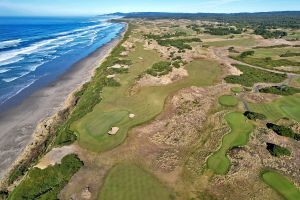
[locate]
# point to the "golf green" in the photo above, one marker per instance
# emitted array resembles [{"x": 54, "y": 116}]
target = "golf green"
[
  {"x": 238, "y": 136},
  {"x": 282, "y": 185}
]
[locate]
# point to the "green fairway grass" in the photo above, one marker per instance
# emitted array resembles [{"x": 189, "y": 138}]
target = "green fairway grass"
[
  {"x": 281, "y": 184},
  {"x": 228, "y": 100},
  {"x": 238, "y": 136},
  {"x": 129, "y": 182},
  {"x": 287, "y": 106},
  {"x": 235, "y": 42},
  {"x": 148, "y": 102},
  {"x": 236, "y": 89}
]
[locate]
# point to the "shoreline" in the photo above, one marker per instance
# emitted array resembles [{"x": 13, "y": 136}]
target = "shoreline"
[{"x": 20, "y": 124}]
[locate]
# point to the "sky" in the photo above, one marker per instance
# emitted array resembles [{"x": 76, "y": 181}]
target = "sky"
[{"x": 95, "y": 7}]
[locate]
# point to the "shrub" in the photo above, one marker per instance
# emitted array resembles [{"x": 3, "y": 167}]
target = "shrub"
[
  {"x": 251, "y": 75},
  {"x": 277, "y": 151},
  {"x": 254, "y": 116},
  {"x": 283, "y": 131},
  {"x": 160, "y": 68},
  {"x": 280, "y": 90}
]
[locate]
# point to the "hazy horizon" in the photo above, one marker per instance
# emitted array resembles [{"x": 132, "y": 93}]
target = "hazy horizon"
[{"x": 94, "y": 7}]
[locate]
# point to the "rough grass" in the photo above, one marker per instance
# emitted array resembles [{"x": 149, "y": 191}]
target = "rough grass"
[
  {"x": 228, "y": 100},
  {"x": 287, "y": 106},
  {"x": 238, "y": 136},
  {"x": 47, "y": 183},
  {"x": 281, "y": 184},
  {"x": 145, "y": 103},
  {"x": 251, "y": 76},
  {"x": 129, "y": 182}
]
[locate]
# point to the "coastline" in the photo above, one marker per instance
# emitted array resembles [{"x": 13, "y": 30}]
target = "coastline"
[{"x": 20, "y": 125}]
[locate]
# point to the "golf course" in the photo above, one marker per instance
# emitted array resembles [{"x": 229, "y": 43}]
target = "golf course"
[{"x": 117, "y": 102}]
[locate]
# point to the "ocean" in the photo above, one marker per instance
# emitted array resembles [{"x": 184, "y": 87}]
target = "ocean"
[{"x": 35, "y": 51}]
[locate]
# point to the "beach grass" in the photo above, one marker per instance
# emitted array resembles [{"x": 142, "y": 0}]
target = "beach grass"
[
  {"x": 281, "y": 184},
  {"x": 241, "y": 128},
  {"x": 47, "y": 183},
  {"x": 286, "y": 106},
  {"x": 145, "y": 104},
  {"x": 228, "y": 100},
  {"x": 130, "y": 182}
]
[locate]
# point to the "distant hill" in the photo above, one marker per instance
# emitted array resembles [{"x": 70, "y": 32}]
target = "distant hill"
[{"x": 279, "y": 18}]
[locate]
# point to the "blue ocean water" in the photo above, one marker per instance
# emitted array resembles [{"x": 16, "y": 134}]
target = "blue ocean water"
[{"x": 35, "y": 49}]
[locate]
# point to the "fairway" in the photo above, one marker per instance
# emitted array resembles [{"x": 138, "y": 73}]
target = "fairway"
[
  {"x": 282, "y": 185},
  {"x": 287, "y": 106},
  {"x": 245, "y": 42},
  {"x": 129, "y": 182},
  {"x": 228, "y": 100},
  {"x": 238, "y": 136},
  {"x": 117, "y": 102}
]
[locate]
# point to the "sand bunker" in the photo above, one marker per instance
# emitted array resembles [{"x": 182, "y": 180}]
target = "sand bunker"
[{"x": 113, "y": 131}]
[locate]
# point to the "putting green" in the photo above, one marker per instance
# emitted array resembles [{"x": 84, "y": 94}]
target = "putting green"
[
  {"x": 236, "y": 89},
  {"x": 145, "y": 104},
  {"x": 238, "y": 136},
  {"x": 228, "y": 100},
  {"x": 129, "y": 182},
  {"x": 287, "y": 106},
  {"x": 282, "y": 185}
]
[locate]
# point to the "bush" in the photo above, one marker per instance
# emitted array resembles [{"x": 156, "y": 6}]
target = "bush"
[
  {"x": 254, "y": 116},
  {"x": 47, "y": 183},
  {"x": 283, "y": 131},
  {"x": 251, "y": 75},
  {"x": 160, "y": 68},
  {"x": 277, "y": 151},
  {"x": 247, "y": 53},
  {"x": 280, "y": 90}
]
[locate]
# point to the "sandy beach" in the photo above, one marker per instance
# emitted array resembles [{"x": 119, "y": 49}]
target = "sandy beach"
[{"x": 18, "y": 124}]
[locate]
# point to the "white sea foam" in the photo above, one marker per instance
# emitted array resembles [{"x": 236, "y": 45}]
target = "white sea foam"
[
  {"x": 7, "y": 80},
  {"x": 11, "y": 61},
  {"x": 4, "y": 70},
  {"x": 10, "y": 43}
]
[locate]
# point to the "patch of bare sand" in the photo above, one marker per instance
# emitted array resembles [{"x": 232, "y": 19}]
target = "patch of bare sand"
[
  {"x": 55, "y": 156},
  {"x": 175, "y": 75}
]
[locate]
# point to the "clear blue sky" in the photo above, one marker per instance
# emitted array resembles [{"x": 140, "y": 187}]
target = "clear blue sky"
[{"x": 94, "y": 7}]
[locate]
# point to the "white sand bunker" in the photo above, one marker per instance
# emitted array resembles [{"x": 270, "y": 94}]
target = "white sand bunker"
[
  {"x": 113, "y": 131},
  {"x": 55, "y": 156},
  {"x": 118, "y": 66},
  {"x": 131, "y": 116},
  {"x": 111, "y": 76}
]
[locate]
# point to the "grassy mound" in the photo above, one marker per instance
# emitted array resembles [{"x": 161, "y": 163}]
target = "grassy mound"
[
  {"x": 47, "y": 183},
  {"x": 238, "y": 136},
  {"x": 228, "y": 100},
  {"x": 251, "y": 76},
  {"x": 281, "y": 184},
  {"x": 129, "y": 182}
]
